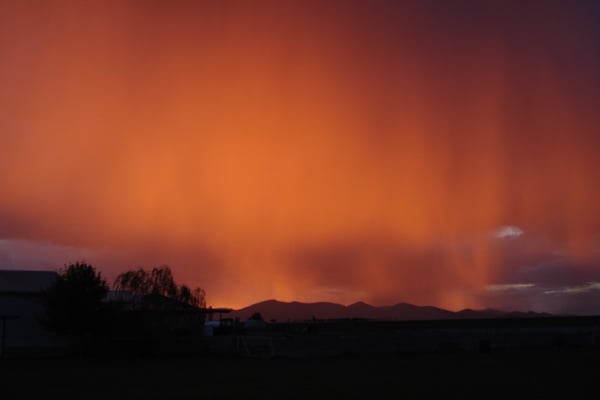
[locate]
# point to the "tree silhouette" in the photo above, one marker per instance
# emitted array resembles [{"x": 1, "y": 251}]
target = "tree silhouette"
[
  {"x": 159, "y": 281},
  {"x": 196, "y": 297},
  {"x": 137, "y": 282},
  {"x": 256, "y": 317},
  {"x": 74, "y": 301},
  {"x": 162, "y": 282}
]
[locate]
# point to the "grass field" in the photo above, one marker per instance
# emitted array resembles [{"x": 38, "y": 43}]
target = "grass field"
[{"x": 574, "y": 373}]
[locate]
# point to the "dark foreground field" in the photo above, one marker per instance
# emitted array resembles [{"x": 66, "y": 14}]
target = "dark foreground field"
[{"x": 573, "y": 373}]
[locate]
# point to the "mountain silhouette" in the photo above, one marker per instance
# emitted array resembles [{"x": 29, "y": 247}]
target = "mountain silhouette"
[{"x": 296, "y": 311}]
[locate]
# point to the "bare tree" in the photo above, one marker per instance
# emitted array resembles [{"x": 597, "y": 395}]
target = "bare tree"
[
  {"x": 162, "y": 282},
  {"x": 159, "y": 281},
  {"x": 194, "y": 297},
  {"x": 137, "y": 282}
]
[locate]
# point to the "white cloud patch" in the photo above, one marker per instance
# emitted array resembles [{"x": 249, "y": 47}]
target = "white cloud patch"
[
  {"x": 508, "y": 232},
  {"x": 509, "y": 286},
  {"x": 588, "y": 287}
]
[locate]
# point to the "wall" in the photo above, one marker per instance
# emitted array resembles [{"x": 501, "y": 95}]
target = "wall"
[{"x": 26, "y": 334}]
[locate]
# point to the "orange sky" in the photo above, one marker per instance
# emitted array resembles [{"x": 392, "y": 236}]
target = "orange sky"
[{"x": 318, "y": 150}]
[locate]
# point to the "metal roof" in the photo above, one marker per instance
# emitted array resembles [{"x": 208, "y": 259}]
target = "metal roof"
[{"x": 15, "y": 281}]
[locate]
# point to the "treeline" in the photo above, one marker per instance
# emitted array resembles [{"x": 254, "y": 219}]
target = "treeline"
[
  {"x": 147, "y": 308},
  {"x": 159, "y": 281}
]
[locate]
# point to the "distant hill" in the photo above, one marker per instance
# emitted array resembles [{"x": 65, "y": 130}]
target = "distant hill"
[{"x": 296, "y": 311}]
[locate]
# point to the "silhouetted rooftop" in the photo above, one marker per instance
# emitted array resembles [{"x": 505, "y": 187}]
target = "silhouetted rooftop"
[
  {"x": 14, "y": 281},
  {"x": 122, "y": 296}
]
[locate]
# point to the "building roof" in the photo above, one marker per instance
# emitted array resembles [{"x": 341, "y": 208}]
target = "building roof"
[
  {"x": 123, "y": 296},
  {"x": 14, "y": 281}
]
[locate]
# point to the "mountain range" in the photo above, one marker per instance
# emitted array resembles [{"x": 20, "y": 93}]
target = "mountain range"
[{"x": 273, "y": 310}]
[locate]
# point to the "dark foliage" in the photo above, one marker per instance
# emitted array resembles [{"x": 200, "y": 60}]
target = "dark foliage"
[
  {"x": 158, "y": 282},
  {"x": 74, "y": 302},
  {"x": 256, "y": 317}
]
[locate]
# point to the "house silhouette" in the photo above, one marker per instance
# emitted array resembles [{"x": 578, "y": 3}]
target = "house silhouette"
[{"x": 21, "y": 312}]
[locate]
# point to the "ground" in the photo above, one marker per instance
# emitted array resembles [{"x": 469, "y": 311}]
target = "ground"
[{"x": 570, "y": 372}]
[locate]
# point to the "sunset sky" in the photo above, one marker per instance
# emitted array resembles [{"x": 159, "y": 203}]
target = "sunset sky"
[{"x": 434, "y": 152}]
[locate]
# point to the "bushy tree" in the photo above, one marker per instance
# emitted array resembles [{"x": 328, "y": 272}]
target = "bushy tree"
[{"x": 74, "y": 301}]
